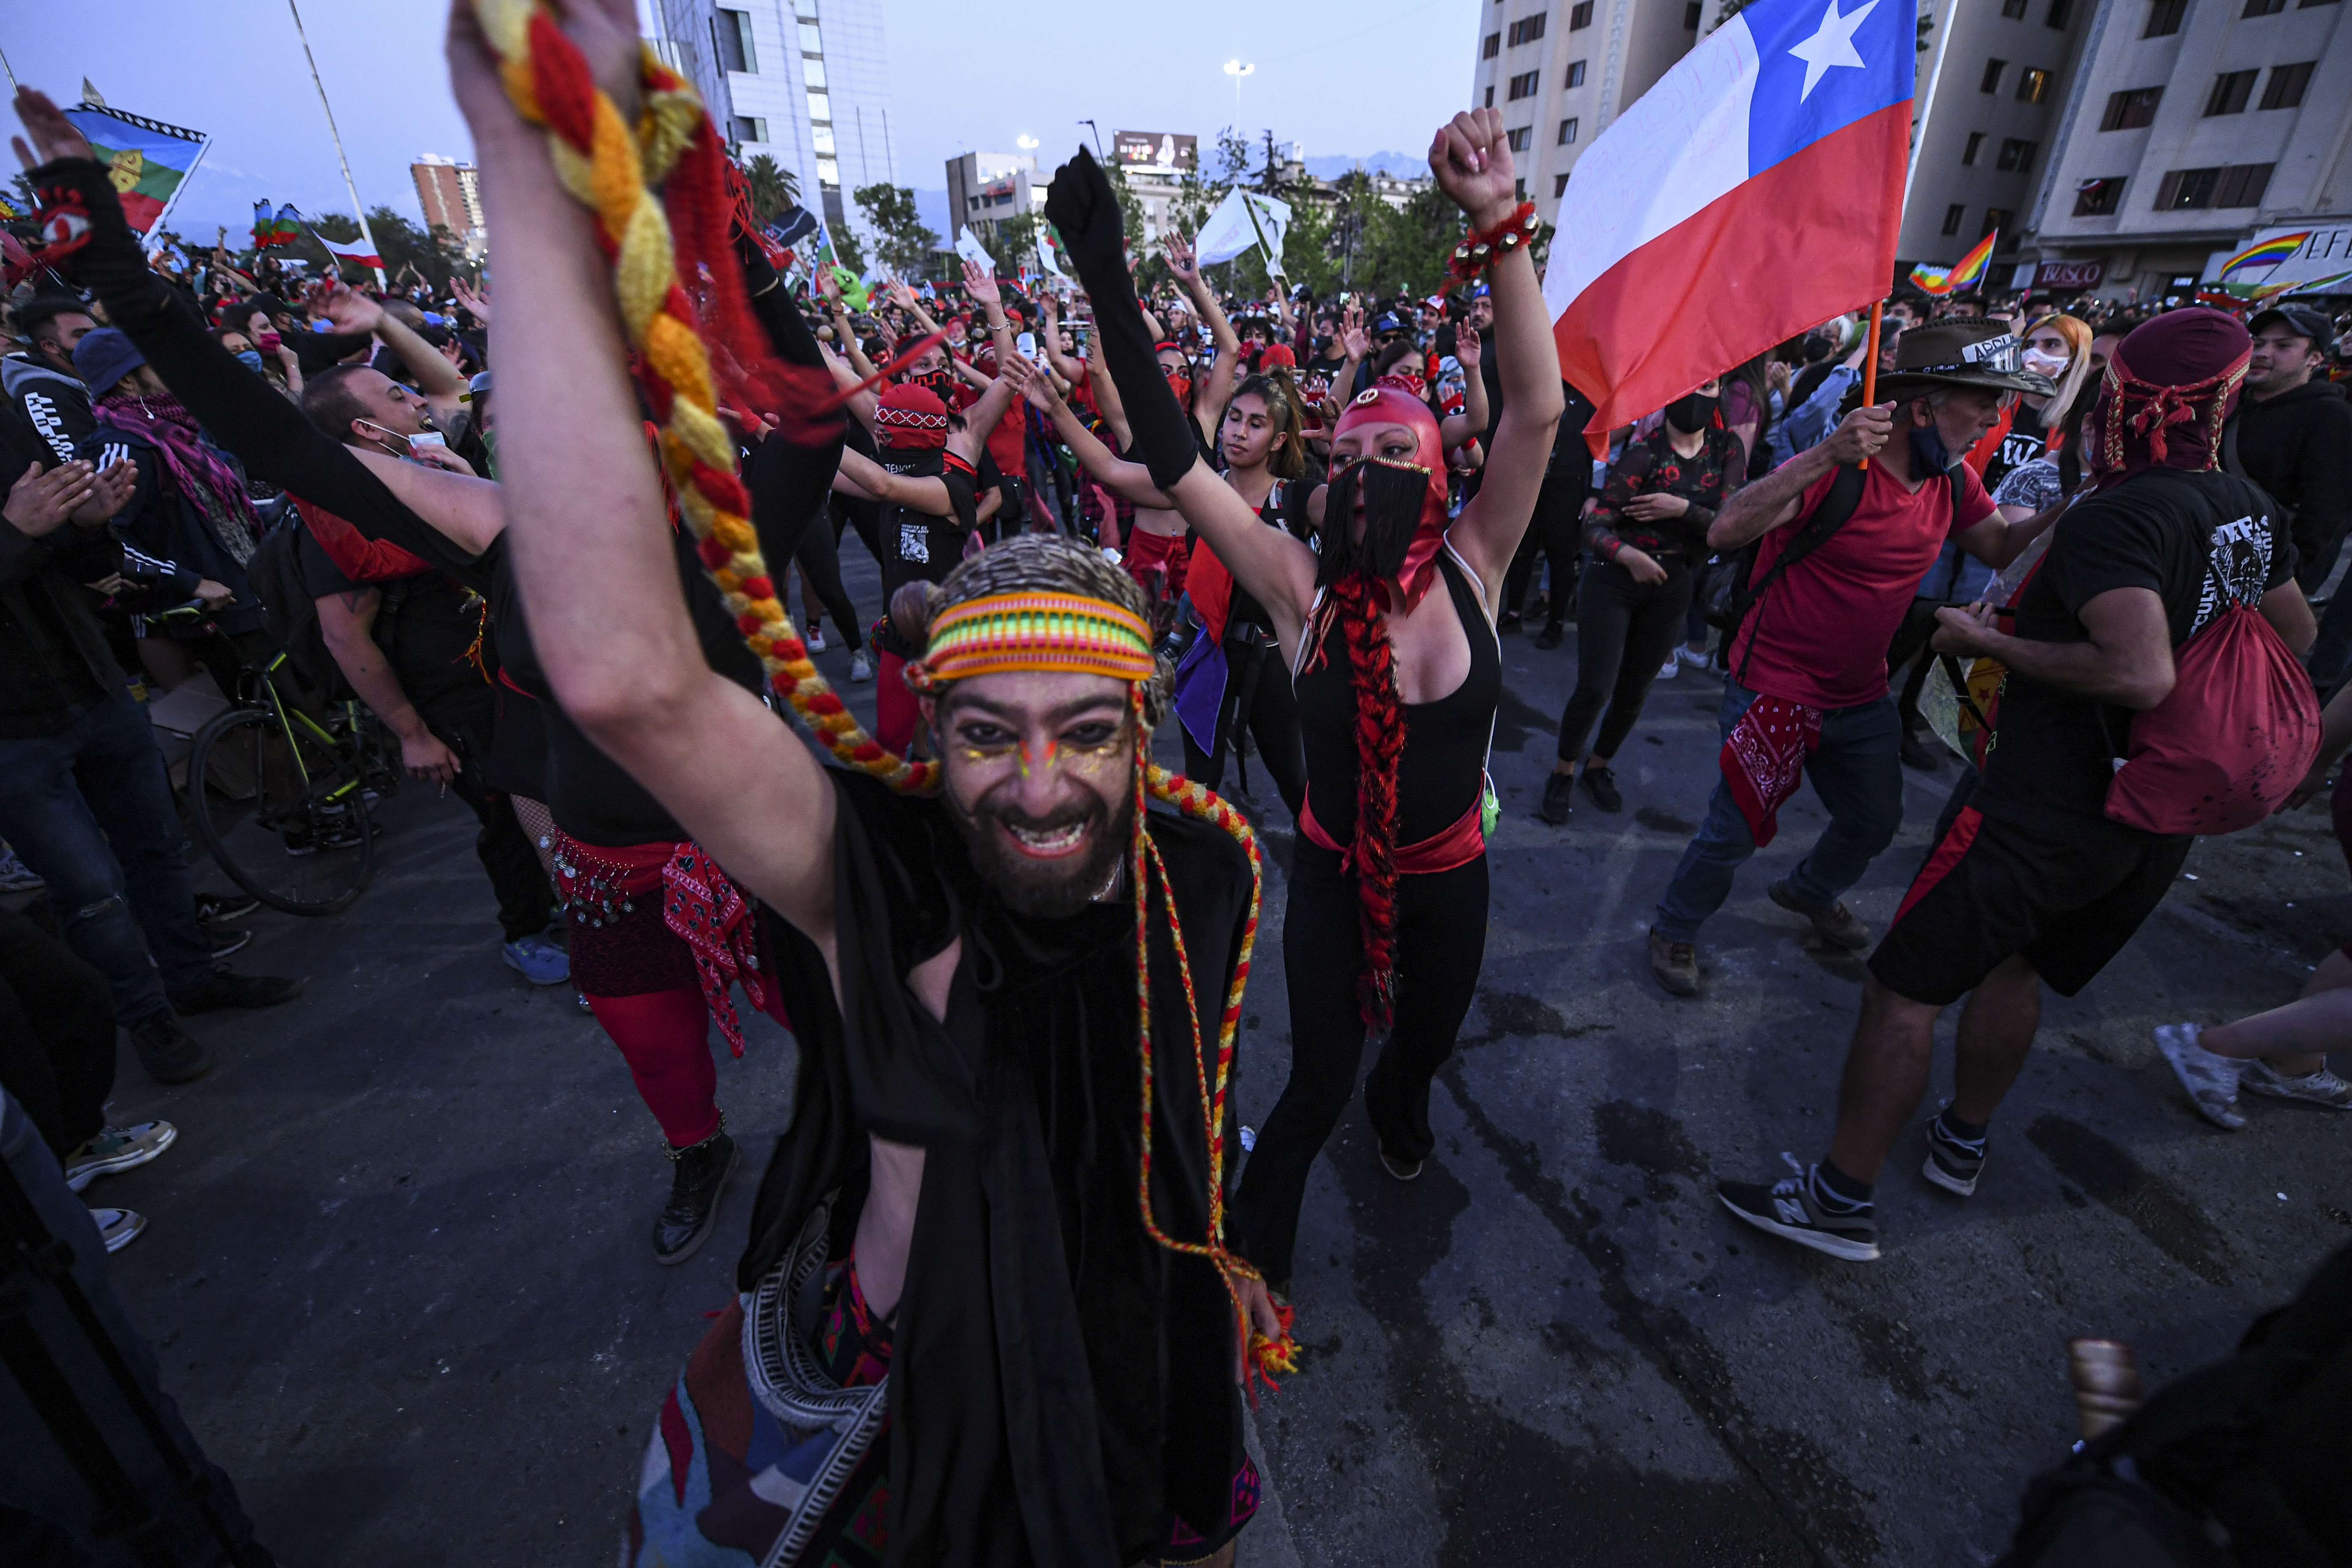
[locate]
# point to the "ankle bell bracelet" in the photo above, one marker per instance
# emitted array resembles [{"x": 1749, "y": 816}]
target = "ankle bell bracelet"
[{"x": 677, "y": 1153}]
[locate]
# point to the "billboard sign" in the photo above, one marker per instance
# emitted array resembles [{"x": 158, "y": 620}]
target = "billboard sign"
[
  {"x": 1155, "y": 149},
  {"x": 2287, "y": 259},
  {"x": 2069, "y": 274}
]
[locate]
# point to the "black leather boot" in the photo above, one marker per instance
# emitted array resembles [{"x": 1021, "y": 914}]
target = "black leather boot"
[{"x": 698, "y": 1175}]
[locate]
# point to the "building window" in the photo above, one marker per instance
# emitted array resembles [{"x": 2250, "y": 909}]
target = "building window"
[
  {"x": 2187, "y": 188},
  {"x": 2242, "y": 185},
  {"x": 2263, "y": 7},
  {"x": 813, "y": 70},
  {"x": 1527, "y": 29},
  {"x": 828, "y": 173},
  {"x": 1559, "y": 186},
  {"x": 2164, "y": 17},
  {"x": 2099, "y": 197},
  {"x": 750, "y": 128},
  {"x": 2230, "y": 92},
  {"x": 2060, "y": 10},
  {"x": 2131, "y": 110},
  {"x": 1493, "y": 46},
  {"x": 1691, "y": 16},
  {"x": 735, "y": 51},
  {"x": 2033, "y": 85},
  {"x": 2308, "y": 4},
  {"x": 1524, "y": 85},
  {"x": 1567, "y": 130},
  {"x": 821, "y": 139},
  {"x": 1519, "y": 190},
  {"x": 1490, "y": 97},
  {"x": 1522, "y": 139},
  {"x": 812, "y": 39},
  {"x": 1575, "y": 73},
  {"x": 1953, "y": 216},
  {"x": 2012, "y": 9},
  {"x": 2284, "y": 89},
  {"x": 2017, "y": 155},
  {"x": 820, "y": 106},
  {"x": 1580, "y": 16},
  {"x": 1975, "y": 144},
  {"x": 1999, "y": 220},
  {"x": 1992, "y": 82}
]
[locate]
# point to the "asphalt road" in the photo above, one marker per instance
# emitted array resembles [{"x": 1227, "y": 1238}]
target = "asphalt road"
[{"x": 400, "y": 1277}]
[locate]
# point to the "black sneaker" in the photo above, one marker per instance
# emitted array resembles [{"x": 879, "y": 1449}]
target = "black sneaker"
[
  {"x": 698, "y": 1177},
  {"x": 226, "y": 989},
  {"x": 1509, "y": 621},
  {"x": 1559, "y": 800},
  {"x": 1787, "y": 1208},
  {"x": 1953, "y": 1163},
  {"x": 211, "y": 906},
  {"x": 1549, "y": 637},
  {"x": 169, "y": 1053},
  {"x": 1602, "y": 785}
]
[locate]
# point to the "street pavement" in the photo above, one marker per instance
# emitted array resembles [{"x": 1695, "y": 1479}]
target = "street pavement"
[{"x": 400, "y": 1280}]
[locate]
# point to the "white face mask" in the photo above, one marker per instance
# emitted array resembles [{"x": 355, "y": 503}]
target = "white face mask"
[{"x": 2052, "y": 366}]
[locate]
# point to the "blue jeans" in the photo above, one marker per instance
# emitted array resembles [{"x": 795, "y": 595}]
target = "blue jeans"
[
  {"x": 90, "y": 811},
  {"x": 2331, "y": 651},
  {"x": 1857, "y": 771}
]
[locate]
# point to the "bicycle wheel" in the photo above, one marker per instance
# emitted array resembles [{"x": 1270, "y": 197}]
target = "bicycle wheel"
[{"x": 284, "y": 818}]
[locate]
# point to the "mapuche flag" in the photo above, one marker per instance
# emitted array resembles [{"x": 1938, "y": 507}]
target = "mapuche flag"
[
  {"x": 147, "y": 160},
  {"x": 1754, "y": 191},
  {"x": 283, "y": 228}
]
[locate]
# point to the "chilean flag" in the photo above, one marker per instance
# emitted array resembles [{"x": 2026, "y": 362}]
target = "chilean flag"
[
  {"x": 358, "y": 252},
  {"x": 1754, "y": 191}
]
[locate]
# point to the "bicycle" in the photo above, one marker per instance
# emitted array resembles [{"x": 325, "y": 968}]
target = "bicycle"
[{"x": 279, "y": 797}]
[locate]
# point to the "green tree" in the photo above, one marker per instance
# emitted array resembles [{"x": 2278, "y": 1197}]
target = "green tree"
[
  {"x": 1014, "y": 242},
  {"x": 402, "y": 244},
  {"x": 902, "y": 242},
  {"x": 774, "y": 187}
]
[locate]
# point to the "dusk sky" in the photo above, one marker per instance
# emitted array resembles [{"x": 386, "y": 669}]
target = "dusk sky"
[{"x": 974, "y": 78}]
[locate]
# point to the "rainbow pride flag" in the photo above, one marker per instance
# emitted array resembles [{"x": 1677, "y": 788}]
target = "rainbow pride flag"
[
  {"x": 1969, "y": 271},
  {"x": 2268, "y": 253}
]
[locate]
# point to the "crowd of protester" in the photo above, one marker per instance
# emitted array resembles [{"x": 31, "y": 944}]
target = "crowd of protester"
[{"x": 1878, "y": 585}]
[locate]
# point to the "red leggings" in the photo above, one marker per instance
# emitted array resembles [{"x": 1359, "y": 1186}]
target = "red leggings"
[{"x": 665, "y": 1037}]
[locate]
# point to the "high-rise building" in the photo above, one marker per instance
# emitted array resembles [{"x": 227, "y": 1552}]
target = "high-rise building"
[
  {"x": 1993, "y": 85},
  {"x": 986, "y": 188},
  {"x": 1560, "y": 70},
  {"x": 2188, "y": 129},
  {"x": 452, "y": 199},
  {"x": 808, "y": 84}
]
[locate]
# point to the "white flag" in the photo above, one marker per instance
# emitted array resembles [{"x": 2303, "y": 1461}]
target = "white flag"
[
  {"x": 968, "y": 245},
  {"x": 1243, "y": 219}
]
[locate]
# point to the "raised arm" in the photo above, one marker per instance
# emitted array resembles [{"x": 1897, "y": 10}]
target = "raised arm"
[
  {"x": 1472, "y": 160},
  {"x": 591, "y": 538},
  {"x": 1208, "y": 400},
  {"x": 1471, "y": 423},
  {"x": 436, "y": 378},
  {"x": 1065, "y": 367},
  {"x": 1132, "y": 482},
  {"x": 1276, "y": 568}
]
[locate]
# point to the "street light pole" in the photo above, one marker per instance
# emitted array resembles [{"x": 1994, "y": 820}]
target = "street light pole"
[
  {"x": 1236, "y": 69},
  {"x": 359, "y": 211}
]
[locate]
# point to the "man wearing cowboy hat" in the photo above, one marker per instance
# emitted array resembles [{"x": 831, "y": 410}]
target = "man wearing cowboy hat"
[{"x": 1808, "y": 691}]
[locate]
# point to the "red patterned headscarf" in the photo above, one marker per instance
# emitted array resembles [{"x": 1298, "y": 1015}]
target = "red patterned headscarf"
[
  {"x": 2167, "y": 389},
  {"x": 910, "y": 415}
]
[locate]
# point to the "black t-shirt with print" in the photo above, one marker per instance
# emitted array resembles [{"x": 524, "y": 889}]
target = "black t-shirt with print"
[
  {"x": 430, "y": 627},
  {"x": 2053, "y": 752},
  {"x": 2026, "y": 438},
  {"x": 920, "y": 548}
]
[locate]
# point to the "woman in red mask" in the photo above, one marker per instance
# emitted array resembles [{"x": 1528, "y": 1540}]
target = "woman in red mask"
[{"x": 1391, "y": 628}]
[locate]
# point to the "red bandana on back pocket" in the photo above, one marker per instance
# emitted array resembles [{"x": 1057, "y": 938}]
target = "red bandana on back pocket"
[{"x": 1764, "y": 760}]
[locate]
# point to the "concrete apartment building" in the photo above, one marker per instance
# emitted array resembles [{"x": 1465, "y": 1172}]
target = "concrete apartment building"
[
  {"x": 2190, "y": 127},
  {"x": 806, "y": 82},
  {"x": 985, "y": 188},
  {"x": 451, "y": 196}
]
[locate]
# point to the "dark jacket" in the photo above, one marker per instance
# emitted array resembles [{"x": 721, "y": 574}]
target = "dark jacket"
[
  {"x": 2298, "y": 447},
  {"x": 54, "y": 402},
  {"x": 53, "y": 652},
  {"x": 173, "y": 531}
]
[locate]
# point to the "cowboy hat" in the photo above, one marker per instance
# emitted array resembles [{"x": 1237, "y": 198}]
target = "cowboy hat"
[{"x": 1959, "y": 352}]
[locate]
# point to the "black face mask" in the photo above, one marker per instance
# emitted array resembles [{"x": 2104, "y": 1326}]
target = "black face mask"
[
  {"x": 1693, "y": 414},
  {"x": 1928, "y": 453},
  {"x": 1392, "y": 498}
]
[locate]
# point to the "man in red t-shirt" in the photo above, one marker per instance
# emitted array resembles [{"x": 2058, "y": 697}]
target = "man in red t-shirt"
[{"x": 1808, "y": 694}]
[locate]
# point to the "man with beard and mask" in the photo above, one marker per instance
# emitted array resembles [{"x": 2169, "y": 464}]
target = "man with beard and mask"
[
  {"x": 2035, "y": 880},
  {"x": 1807, "y": 695},
  {"x": 1646, "y": 537},
  {"x": 1398, "y": 673}
]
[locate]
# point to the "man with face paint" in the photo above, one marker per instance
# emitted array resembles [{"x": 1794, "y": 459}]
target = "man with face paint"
[
  {"x": 1390, "y": 629},
  {"x": 1808, "y": 693}
]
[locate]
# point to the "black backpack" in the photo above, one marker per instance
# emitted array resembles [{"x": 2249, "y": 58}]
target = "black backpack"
[
  {"x": 275, "y": 574},
  {"x": 2239, "y": 1463}
]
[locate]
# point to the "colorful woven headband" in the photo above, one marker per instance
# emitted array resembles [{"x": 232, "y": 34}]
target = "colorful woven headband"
[{"x": 1061, "y": 633}]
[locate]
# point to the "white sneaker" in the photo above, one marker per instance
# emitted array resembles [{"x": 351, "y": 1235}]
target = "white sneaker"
[
  {"x": 2212, "y": 1080},
  {"x": 1672, "y": 668},
  {"x": 815, "y": 638},
  {"x": 1695, "y": 657},
  {"x": 2322, "y": 1087},
  {"x": 117, "y": 1149},
  {"x": 118, "y": 1227},
  {"x": 861, "y": 666}
]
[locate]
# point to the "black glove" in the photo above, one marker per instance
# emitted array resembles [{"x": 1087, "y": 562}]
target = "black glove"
[
  {"x": 91, "y": 240},
  {"x": 1084, "y": 209}
]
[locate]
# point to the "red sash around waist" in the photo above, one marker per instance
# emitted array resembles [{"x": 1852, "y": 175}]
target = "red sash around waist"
[
  {"x": 1457, "y": 845},
  {"x": 701, "y": 906}
]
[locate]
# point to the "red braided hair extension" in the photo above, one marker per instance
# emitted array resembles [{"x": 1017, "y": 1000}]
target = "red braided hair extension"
[{"x": 1361, "y": 605}]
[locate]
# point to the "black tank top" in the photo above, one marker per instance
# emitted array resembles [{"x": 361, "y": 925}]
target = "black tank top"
[{"x": 1440, "y": 775}]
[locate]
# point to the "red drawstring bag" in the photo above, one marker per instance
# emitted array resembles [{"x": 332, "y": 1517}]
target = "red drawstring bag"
[{"x": 2231, "y": 740}]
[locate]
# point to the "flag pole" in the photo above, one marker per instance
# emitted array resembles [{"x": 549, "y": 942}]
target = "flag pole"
[
  {"x": 1870, "y": 362},
  {"x": 359, "y": 211}
]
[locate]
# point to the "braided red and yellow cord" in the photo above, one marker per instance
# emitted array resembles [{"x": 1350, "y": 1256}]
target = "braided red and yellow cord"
[
  {"x": 1266, "y": 1355},
  {"x": 613, "y": 169}
]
